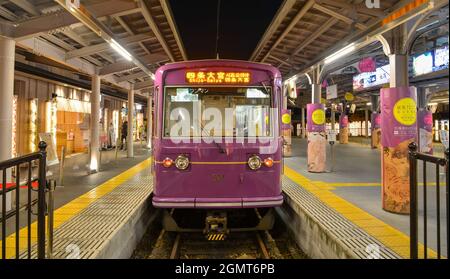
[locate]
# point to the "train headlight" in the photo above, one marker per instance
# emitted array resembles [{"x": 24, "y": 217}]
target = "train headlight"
[
  {"x": 167, "y": 162},
  {"x": 182, "y": 162},
  {"x": 268, "y": 162},
  {"x": 254, "y": 162}
]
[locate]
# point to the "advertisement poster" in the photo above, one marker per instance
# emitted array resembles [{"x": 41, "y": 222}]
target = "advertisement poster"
[
  {"x": 317, "y": 140},
  {"x": 52, "y": 158},
  {"x": 425, "y": 125},
  {"x": 399, "y": 123},
  {"x": 286, "y": 130},
  {"x": 315, "y": 118},
  {"x": 375, "y": 121},
  {"x": 343, "y": 129},
  {"x": 332, "y": 92}
]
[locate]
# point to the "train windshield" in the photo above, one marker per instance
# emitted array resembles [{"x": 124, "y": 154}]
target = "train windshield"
[{"x": 218, "y": 112}]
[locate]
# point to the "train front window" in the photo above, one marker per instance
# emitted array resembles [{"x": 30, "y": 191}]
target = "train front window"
[{"x": 217, "y": 111}]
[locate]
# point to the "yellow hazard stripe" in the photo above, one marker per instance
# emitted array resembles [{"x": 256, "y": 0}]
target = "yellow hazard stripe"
[
  {"x": 386, "y": 234},
  {"x": 69, "y": 210}
]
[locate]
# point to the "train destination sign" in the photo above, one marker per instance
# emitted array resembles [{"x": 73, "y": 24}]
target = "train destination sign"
[{"x": 217, "y": 77}]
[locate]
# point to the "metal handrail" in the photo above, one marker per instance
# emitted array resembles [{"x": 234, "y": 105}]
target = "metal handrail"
[
  {"x": 414, "y": 156},
  {"x": 41, "y": 157}
]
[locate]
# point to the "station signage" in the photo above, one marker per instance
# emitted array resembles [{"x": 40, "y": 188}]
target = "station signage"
[
  {"x": 332, "y": 92},
  {"x": 212, "y": 77}
]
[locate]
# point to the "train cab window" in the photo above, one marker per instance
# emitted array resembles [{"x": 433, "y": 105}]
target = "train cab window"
[{"x": 231, "y": 111}]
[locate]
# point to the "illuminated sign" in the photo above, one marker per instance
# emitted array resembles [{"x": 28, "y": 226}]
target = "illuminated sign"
[
  {"x": 366, "y": 80},
  {"x": 217, "y": 77}
]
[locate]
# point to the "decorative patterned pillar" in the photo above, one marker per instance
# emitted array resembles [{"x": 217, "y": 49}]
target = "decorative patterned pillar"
[{"x": 399, "y": 128}]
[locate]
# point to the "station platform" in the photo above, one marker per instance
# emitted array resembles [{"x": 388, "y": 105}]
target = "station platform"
[
  {"x": 333, "y": 215},
  {"x": 91, "y": 211},
  {"x": 353, "y": 190}
]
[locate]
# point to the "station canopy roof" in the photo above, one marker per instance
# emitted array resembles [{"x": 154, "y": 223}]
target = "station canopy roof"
[{"x": 145, "y": 27}]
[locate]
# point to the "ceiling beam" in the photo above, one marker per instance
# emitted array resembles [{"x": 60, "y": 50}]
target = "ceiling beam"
[
  {"x": 89, "y": 50},
  {"x": 149, "y": 19},
  {"x": 308, "y": 5},
  {"x": 130, "y": 32},
  {"x": 67, "y": 47},
  {"x": 169, "y": 16},
  {"x": 7, "y": 14},
  {"x": 77, "y": 38},
  {"x": 143, "y": 84},
  {"x": 26, "y": 6},
  {"x": 131, "y": 77},
  {"x": 286, "y": 6},
  {"x": 339, "y": 15},
  {"x": 127, "y": 65},
  {"x": 63, "y": 18}
]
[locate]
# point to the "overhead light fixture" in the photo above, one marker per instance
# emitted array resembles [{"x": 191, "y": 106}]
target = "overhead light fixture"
[
  {"x": 341, "y": 53},
  {"x": 432, "y": 104},
  {"x": 117, "y": 47},
  {"x": 368, "y": 104}
]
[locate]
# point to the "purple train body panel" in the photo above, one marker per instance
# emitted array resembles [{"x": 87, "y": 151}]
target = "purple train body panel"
[{"x": 216, "y": 179}]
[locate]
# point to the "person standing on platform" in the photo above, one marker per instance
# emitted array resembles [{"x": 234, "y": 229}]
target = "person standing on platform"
[{"x": 124, "y": 135}]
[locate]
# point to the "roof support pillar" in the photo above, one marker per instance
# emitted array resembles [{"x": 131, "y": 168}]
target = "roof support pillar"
[
  {"x": 130, "y": 151},
  {"x": 7, "y": 54},
  {"x": 94, "y": 165}
]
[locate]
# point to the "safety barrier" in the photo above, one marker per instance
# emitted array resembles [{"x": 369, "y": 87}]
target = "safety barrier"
[
  {"x": 414, "y": 157},
  {"x": 33, "y": 183}
]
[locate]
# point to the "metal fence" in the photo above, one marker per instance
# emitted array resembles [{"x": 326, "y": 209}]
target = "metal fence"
[
  {"x": 438, "y": 162},
  {"x": 30, "y": 184}
]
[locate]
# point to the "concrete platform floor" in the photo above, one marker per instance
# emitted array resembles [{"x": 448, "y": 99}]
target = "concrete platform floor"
[
  {"x": 77, "y": 181},
  {"x": 357, "y": 178}
]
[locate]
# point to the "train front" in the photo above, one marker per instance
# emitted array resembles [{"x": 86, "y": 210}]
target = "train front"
[{"x": 217, "y": 140}]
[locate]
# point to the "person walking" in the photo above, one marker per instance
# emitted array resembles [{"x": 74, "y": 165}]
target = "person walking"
[{"x": 124, "y": 135}]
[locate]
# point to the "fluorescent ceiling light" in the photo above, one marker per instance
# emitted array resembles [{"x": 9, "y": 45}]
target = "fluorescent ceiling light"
[
  {"x": 117, "y": 47},
  {"x": 341, "y": 53},
  {"x": 368, "y": 104},
  {"x": 432, "y": 104}
]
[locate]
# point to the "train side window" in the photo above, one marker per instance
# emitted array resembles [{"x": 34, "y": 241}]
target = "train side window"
[{"x": 155, "y": 113}]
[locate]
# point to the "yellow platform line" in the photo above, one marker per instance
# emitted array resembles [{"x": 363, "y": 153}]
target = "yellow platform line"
[
  {"x": 69, "y": 210},
  {"x": 365, "y": 184},
  {"x": 386, "y": 234}
]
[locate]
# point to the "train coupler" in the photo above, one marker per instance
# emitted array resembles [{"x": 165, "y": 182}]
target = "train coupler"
[{"x": 216, "y": 226}]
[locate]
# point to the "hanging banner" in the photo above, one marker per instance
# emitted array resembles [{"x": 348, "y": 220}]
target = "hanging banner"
[
  {"x": 332, "y": 92},
  {"x": 399, "y": 128},
  {"x": 349, "y": 97},
  {"x": 425, "y": 125},
  {"x": 315, "y": 118},
  {"x": 343, "y": 129},
  {"x": 367, "y": 65}
]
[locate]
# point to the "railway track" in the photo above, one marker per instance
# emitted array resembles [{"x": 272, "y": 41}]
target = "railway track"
[
  {"x": 239, "y": 245},
  {"x": 274, "y": 244}
]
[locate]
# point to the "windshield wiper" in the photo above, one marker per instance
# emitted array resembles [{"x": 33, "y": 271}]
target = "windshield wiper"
[{"x": 208, "y": 135}]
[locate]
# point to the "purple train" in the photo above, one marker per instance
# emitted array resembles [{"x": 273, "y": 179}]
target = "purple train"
[{"x": 216, "y": 139}]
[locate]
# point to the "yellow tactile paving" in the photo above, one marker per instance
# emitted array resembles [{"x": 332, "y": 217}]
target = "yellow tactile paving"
[
  {"x": 66, "y": 212},
  {"x": 366, "y": 184},
  {"x": 386, "y": 234}
]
